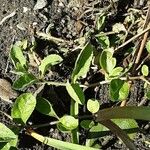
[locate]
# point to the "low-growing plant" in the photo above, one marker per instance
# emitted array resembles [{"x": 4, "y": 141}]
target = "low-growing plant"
[{"x": 118, "y": 119}]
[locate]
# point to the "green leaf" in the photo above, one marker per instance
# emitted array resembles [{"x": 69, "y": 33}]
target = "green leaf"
[
  {"x": 148, "y": 46},
  {"x": 104, "y": 41},
  {"x": 45, "y": 107},
  {"x": 69, "y": 122},
  {"x": 93, "y": 105},
  {"x": 118, "y": 90},
  {"x": 25, "y": 80},
  {"x": 129, "y": 125},
  {"x": 100, "y": 22},
  {"x": 9, "y": 145},
  {"x": 60, "y": 144},
  {"x": 87, "y": 124},
  {"x": 126, "y": 112},
  {"x": 145, "y": 70},
  {"x": 83, "y": 62},
  {"x": 23, "y": 108},
  {"x": 116, "y": 72},
  {"x": 147, "y": 93},
  {"x": 17, "y": 56},
  {"x": 6, "y": 135},
  {"x": 76, "y": 93},
  {"x": 107, "y": 61},
  {"x": 49, "y": 61}
]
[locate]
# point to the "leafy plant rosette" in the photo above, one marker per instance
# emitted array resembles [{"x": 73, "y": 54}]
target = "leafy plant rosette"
[{"x": 118, "y": 120}]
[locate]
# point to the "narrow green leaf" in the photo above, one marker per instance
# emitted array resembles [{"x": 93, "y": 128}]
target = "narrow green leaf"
[
  {"x": 83, "y": 62},
  {"x": 120, "y": 133},
  {"x": 118, "y": 90},
  {"x": 76, "y": 93},
  {"x": 130, "y": 126},
  {"x": 45, "y": 107},
  {"x": 93, "y": 105},
  {"x": 107, "y": 61},
  {"x": 148, "y": 46},
  {"x": 69, "y": 122},
  {"x": 6, "y": 135},
  {"x": 59, "y": 144},
  {"x": 100, "y": 22},
  {"x": 25, "y": 80},
  {"x": 17, "y": 56},
  {"x": 126, "y": 112},
  {"x": 145, "y": 70},
  {"x": 49, "y": 61},
  {"x": 23, "y": 108},
  {"x": 103, "y": 40}
]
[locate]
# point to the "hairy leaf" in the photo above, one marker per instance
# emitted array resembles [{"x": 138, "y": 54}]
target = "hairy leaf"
[
  {"x": 69, "y": 122},
  {"x": 17, "y": 56},
  {"x": 75, "y": 93},
  {"x": 6, "y": 135},
  {"x": 83, "y": 62},
  {"x": 118, "y": 90},
  {"x": 145, "y": 70},
  {"x": 107, "y": 61},
  {"x": 23, "y": 108},
  {"x": 93, "y": 105},
  {"x": 25, "y": 80},
  {"x": 48, "y": 61}
]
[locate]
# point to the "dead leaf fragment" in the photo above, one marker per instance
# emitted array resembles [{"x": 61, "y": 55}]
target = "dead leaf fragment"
[{"x": 6, "y": 92}]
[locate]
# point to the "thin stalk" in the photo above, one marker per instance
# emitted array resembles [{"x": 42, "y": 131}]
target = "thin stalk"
[{"x": 74, "y": 112}]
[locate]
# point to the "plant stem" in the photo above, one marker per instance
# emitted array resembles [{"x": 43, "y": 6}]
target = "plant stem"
[
  {"x": 94, "y": 84},
  {"x": 133, "y": 38},
  {"x": 74, "y": 112}
]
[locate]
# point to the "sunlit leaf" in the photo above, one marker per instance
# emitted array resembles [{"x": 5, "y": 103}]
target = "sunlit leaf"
[
  {"x": 69, "y": 122},
  {"x": 118, "y": 90},
  {"x": 116, "y": 72},
  {"x": 124, "y": 91},
  {"x": 93, "y": 105},
  {"x": 75, "y": 93},
  {"x": 23, "y": 108},
  {"x": 25, "y": 80},
  {"x": 148, "y": 46},
  {"x": 17, "y": 56},
  {"x": 107, "y": 61},
  {"x": 9, "y": 145},
  {"x": 6, "y": 135},
  {"x": 100, "y": 22},
  {"x": 145, "y": 70},
  {"x": 83, "y": 62},
  {"x": 45, "y": 107},
  {"x": 49, "y": 61}
]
